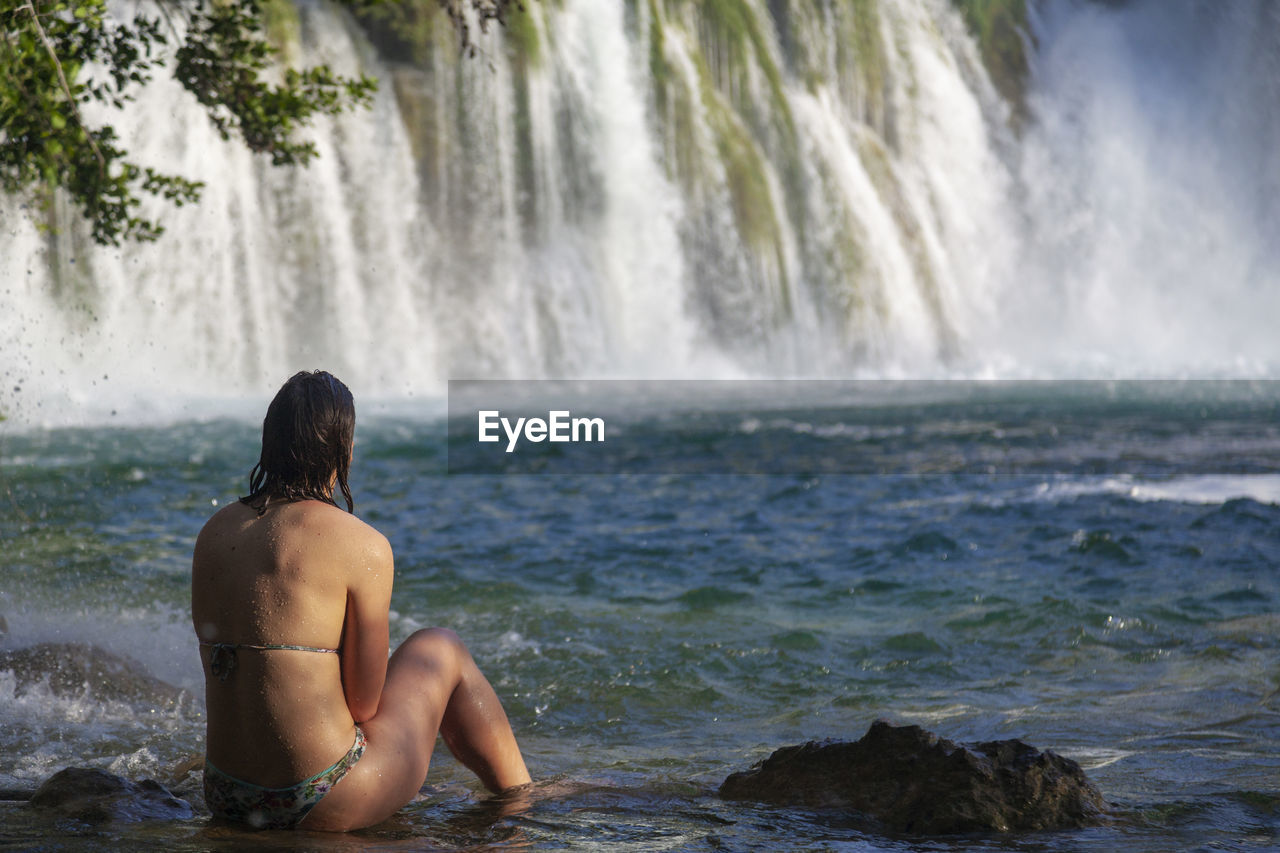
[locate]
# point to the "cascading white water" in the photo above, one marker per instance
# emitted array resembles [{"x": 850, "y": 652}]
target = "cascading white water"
[
  {"x": 1152, "y": 192},
  {"x": 683, "y": 189},
  {"x": 566, "y": 259},
  {"x": 929, "y": 198}
]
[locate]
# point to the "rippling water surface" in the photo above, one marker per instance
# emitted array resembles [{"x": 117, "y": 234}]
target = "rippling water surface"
[{"x": 1116, "y": 601}]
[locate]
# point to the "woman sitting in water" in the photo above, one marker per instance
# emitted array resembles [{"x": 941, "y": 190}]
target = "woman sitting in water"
[{"x": 290, "y": 598}]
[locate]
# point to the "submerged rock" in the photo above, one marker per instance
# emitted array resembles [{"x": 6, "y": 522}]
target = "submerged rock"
[
  {"x": 74, "y": 669},
  {"x": 96, "y": 796},
  {"x": 910, "y": 780}
]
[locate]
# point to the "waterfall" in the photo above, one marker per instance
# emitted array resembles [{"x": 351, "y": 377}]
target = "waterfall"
[
  {"x": 1152, "y": 190},
  {"x": 667, "y": 188}
]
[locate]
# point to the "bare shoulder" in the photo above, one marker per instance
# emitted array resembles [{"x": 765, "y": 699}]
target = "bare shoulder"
[
  {"x": 357, "y": 540},
  {"x": 339, "y": 521},
  {"x": 224, "y": 522}
]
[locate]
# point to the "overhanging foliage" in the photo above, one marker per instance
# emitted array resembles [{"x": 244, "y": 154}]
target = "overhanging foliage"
[{"x": 59, "y": 57}]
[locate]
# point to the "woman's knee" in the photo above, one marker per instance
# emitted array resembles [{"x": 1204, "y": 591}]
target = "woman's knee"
[
  {"x": 441, "y": 635},
  {"x": 438, "y": 643},
  {"x": 421, "y": 676}
]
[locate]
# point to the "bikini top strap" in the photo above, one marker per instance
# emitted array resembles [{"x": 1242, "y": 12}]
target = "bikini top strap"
[{"x": 222, "y": 656}]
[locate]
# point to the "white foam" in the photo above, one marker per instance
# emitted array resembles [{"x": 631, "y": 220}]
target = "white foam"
[
  {"x": 946, "y": 712},
  {"x": 1199, "y": 489},
  {"x": 1094, "y": 758},
  {"x": 47, "y": 731}
]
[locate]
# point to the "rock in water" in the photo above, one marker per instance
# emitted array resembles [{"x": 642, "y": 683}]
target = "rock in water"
[
  {"x": 96, "y": 796},
  {"x": 911, "y": 780},
  {"x": 72, "y": 669}
]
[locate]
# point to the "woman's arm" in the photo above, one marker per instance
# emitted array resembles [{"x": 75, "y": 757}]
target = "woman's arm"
[{"x": 366, "y": 635}]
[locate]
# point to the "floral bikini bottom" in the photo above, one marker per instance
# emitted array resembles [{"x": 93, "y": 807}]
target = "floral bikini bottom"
[{"x": 274, "y": 808}]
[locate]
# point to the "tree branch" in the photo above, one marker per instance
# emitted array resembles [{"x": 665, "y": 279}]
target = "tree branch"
[{"x": 29, "y": 5}]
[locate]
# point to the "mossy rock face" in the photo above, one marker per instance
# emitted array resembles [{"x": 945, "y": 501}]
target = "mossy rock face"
[
  {"x": 523, "y": 39},
  {"x": 748, "y": 187},
  {"x": 734, "y": 44},
  {"x": 1003, "y": 35},
  {"x": 283, "y": 26},
  {"x": 403, "y": 32},
  {"x": 412, "y": 31}
]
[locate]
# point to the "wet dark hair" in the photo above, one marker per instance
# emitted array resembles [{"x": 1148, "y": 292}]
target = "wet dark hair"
[{"x": 307, "y": 438}]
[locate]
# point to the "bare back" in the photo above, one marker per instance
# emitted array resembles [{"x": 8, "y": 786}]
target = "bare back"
[{"x": 307, "y": 574}]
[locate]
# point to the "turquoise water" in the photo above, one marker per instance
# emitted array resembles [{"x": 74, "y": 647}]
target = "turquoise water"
[{"x": 1116, "y": 599}]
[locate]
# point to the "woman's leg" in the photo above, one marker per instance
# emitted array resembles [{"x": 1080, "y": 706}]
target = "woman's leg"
[{"x": 433, "y": 686}]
